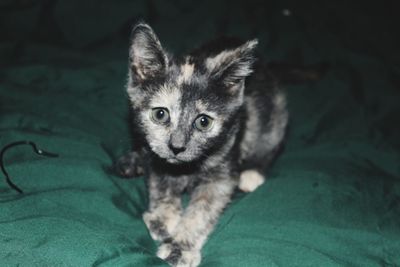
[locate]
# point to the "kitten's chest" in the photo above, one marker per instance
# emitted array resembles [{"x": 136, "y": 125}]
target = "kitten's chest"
[{"x": 181, "y": 184}]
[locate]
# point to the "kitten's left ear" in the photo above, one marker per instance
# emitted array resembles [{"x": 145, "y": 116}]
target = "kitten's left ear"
[
  {"x": 147, "y": 57},
  {"x": 231, "y": 67}
]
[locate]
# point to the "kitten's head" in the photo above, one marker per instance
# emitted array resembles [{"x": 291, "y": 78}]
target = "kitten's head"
[{"x": 187, "y": 108}]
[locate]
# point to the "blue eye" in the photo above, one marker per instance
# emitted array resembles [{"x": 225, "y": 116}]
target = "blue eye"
[
  {"x": 160, "y": 115},
  {"x": 203, "y": 123}
]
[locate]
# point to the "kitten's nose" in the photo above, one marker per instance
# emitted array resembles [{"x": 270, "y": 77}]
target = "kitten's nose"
[
  {"x": 177, "y": 141},
  {"x": 177, "y": 149}
]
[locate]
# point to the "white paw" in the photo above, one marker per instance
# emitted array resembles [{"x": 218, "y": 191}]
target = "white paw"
[
  {"x": 160, "y": 225},
  {"x": 190, "y": 258},
  {"x": 179, "y": 258},
  {"x": 250, "y": 180},
  {"x": 149, "y": 219},
  {"x": 164, "y": 250}
]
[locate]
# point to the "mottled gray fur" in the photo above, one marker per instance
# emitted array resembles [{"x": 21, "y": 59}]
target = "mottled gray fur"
[{"x": 205, "y": 124}]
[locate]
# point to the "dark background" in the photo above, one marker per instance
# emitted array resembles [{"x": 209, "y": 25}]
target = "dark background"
[
  {"x": 102, "y": 27},
  {"x": 343, "y": 34}
]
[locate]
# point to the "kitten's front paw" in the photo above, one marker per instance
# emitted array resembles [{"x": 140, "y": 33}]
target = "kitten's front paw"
[
  {"x": 164, "y": 250},
  {"x": 155, "y": 226},
  {"x": 190, "y": 259},
  {"x": 176, "y": 257},
  {"x": 129, "y": 165}
]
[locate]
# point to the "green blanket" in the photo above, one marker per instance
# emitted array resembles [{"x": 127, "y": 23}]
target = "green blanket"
[{"x": 331, "y": 199}]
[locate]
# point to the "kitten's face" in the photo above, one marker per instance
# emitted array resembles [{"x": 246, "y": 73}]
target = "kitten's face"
[
  {"x": 185, "y": 109},
  {"x": 178, "y": 127}
]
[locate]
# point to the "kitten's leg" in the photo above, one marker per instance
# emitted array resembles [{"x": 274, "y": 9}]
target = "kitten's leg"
[
  {"x": 164, "y": 209},
  {"x": 206, "y": 204},
  {"x": 250, "y": 180},
  {"x": 130, "y": 165}
]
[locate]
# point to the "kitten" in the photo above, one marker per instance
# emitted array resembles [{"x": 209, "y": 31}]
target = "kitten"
[{"x": 198, "y": 130}]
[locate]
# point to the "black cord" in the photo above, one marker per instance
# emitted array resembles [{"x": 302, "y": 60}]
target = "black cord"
[{"x": 35, "y": 149}]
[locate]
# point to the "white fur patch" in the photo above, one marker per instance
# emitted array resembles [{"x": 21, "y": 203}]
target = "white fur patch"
[
  {"x": 250, "y": 180},
  {"x": 168, "y": 97},
  {"x": 186, "y": 73},
  {"x": 189, "y": 258},
  {"x": 163, "y": 251}
]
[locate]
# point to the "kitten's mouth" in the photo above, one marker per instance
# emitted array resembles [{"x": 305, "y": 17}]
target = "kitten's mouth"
[
  {"x": 178, "y": 159},
  {"x": 174, "y": 160}
]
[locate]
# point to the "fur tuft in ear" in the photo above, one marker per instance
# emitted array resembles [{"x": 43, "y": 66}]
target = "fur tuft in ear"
[
  {"x": 231, "y": 67},
  {"x": 146, "y": 55}
]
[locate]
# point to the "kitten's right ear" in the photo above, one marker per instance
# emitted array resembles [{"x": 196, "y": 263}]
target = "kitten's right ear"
[{"x": 146, "y": 55}]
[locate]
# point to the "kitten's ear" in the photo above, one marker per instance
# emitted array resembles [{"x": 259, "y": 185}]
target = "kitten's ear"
[
  {"x": 146, "y": 55},
  {"x": 231, "y": 67}
]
